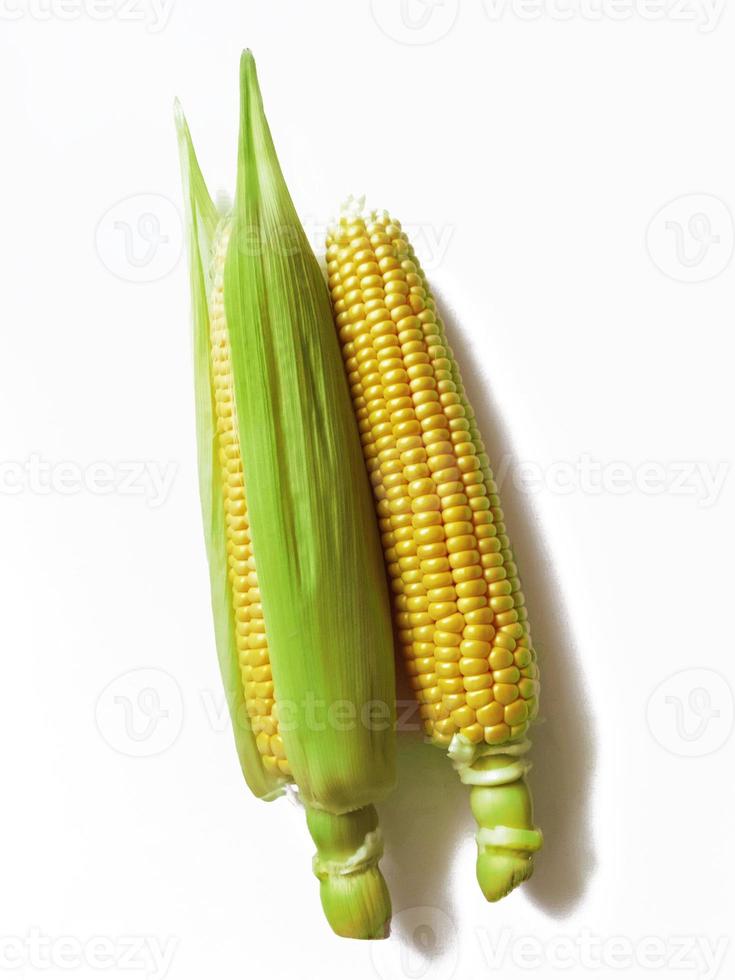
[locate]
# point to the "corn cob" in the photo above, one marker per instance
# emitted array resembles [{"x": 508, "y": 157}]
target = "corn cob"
[
  {"x": 459, "y": 611},
  {"x": 300, "y": 602}
]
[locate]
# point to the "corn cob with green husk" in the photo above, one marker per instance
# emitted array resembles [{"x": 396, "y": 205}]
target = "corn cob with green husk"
[
  {"x": 459, "y": 610},
  {"x": 301, "y": 608}
]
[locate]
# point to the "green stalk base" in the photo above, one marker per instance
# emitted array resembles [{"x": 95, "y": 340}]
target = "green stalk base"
[
  {"x": 507, "y": 838},
  {"x": 354, "y": 895}
]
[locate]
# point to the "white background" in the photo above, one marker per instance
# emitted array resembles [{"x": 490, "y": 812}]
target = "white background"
[{"x": 532, "y": 150}]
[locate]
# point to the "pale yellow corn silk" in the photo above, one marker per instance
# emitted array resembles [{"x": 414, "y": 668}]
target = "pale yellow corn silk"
[
  {"x": 459, "y": 611},
  {"x": 301, "y": 608}
]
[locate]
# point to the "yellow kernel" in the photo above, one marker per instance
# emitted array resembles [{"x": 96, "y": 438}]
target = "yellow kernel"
[
  {"x": 417, "y": 604},
  {"x": 500, "y": 658},
  {"x": 490, "y": 561},
  {"x": 461, "y": 542},
  {"x": 478, "y": 699},
  {"x": 473, "y": 733},
  {"x": 475, "y": 648},
  {"x": 453, "y": 623},
  {"x": 457, "y": 528},
  {"x": 441, "y": 610},
  {"x": 528, "y": 688},
  {"x": 501, "y": 603},
  {"x": 478, "y": 682},
  {"x": 447, "y": 654},
  {"x": 453, "y": 701},
  {"x": 505, "y": 693},
  {"x": 440, "y": 461},
  {"x": 436, "y": 550},
  {"x": 445, "y": 638},
  {"x": 488, "y": 546},
  {"x": 432, "y": 695},
  {"x": 484, "y": 528},
  {"x": 432, "y": 566},
  {"x": 453, "y": 514},
  {"x": 472, "y": 666},
  {"x": 483, "y": 633},
  {"x": 495, "y": 734},
  {"x": 481, "y": 615},
  {"x": 516, "y": 713},
  {"x": 429, "y": 535},
  {"x": 503, "y": 640},
  {"x": 490, "y": 714},
  {"x": 451, "y": 685},
  {"x": 500, "y": 588},
  {"x": 446, "y": 594},
  {"x": 464, "y": 716},
  {"x": 471, "y": 589},
  {"x": 445, "y": 727}
]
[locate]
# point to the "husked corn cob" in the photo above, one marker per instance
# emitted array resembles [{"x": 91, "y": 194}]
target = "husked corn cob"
[
  {"x": 458, "y": 605},
  {"x": 301, "y": 609}
]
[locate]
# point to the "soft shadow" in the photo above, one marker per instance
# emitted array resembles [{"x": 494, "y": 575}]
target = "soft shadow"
[
  {"x": 564, "y": 749},
  {"x": 423, "y": 822}
]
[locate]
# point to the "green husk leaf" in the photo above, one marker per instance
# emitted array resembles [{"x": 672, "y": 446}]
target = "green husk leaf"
[
  {"x": 312, "y": 522},
  {"x": 203, "y": 220}
]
